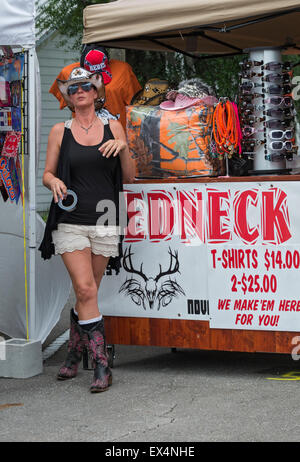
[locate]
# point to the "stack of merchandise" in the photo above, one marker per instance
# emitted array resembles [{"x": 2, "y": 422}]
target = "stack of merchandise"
[
  {"x": 11, "y": 74},
  {"x": 173, "y": 138},
  {"x": 267, "y": 111}
]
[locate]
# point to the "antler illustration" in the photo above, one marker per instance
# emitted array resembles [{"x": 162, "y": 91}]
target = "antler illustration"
[
  {"x": 130, "y": 268},
  {"x": 151, "y": 293},
  {"x": 174, "y": 261}
]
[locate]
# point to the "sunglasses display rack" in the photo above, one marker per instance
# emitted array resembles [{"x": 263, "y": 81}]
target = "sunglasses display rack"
[{"x": 266, "y": 110}]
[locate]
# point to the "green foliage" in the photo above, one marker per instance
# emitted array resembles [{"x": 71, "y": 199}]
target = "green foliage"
[
  {"x": 64, "y": 16},
  {"x": 220, "y": 73}
]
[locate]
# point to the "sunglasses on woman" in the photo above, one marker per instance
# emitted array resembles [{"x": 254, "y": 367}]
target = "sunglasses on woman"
[{"x": 85, "y": 86}]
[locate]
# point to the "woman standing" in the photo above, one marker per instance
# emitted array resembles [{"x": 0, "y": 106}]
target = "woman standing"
[{"x": 90, "y": 157}]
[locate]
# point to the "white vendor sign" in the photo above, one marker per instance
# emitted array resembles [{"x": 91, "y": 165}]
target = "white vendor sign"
[{"x": 227, "y": 253}]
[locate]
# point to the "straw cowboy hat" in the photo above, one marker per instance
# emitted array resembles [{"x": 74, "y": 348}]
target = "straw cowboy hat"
[
  {"x": 153, "y": 93},
  {"x": 80, "y": 75}
]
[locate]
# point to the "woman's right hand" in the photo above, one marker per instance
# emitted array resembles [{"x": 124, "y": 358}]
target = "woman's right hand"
[{"x": 59, "y": 189}]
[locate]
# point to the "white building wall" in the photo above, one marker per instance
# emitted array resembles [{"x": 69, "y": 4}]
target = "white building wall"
[{"x": 52, "y": 58}]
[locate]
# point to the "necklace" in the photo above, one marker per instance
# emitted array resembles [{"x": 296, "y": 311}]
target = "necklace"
[{"x": 86, "y": 129}]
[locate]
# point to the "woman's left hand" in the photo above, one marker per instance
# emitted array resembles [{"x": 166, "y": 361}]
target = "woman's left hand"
[{"x": 112, "y": 147}]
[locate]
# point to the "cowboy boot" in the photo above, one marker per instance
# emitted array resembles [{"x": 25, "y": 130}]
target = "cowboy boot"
[
  {"x": 75, "y": 350},
  {"x": 97, "y": 349}
]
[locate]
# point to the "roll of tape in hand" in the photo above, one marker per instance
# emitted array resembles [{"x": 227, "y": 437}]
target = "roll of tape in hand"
[{"x": 72, "y": 206}]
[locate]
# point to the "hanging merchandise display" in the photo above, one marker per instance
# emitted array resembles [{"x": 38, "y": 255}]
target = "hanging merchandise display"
[
  {"x": 11, "y": 74},
  {"x": 267, "y": 110},
  {"x": 226, "y": 129}
]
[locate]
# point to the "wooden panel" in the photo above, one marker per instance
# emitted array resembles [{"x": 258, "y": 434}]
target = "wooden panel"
[{"x": 194, "y": 335}]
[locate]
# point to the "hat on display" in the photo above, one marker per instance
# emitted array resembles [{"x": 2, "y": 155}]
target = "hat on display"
[
  {"x": 94, "y": 59},
  {"x": 153, "y": 93},
  {"x": 190, "y": 92},
  {"x": 80, "y": 75}
]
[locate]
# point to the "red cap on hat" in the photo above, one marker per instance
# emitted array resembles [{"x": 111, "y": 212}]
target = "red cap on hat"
[{"x": 96, "y": 61}]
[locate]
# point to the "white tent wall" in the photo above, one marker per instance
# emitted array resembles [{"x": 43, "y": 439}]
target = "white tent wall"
[{"x": 47, "y": 286}]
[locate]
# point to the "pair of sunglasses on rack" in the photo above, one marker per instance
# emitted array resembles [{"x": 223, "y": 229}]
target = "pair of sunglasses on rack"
[
  {"x": 280, "y": 101},
  {"x": 272, "y": 78},
  {"x": 285, "y": 76},
  {"x": 85, "y": 86},
  {"x": 271, "y": 66},
  {"x": 272, "y": 123},
  {"x": 274, "y": 66},
  {"x": 281, "y": 134},
  {"x": 278, "y": 113},
  {"x": 252, "y": 143},
  {"x": 250, "y": 151},
  {"x": 247, "y": 130},
  {"x": 247, "y": 87},
  {"x": 248, "y": 64},
  {"x": 276, "y": 157},
  {"x": 280, "y": 145}
]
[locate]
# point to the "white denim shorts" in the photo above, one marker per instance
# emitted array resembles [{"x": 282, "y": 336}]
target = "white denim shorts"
[{"x": 103, "y": 240}]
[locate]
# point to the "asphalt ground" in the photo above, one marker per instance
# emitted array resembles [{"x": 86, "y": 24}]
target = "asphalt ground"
[{"x": 157, "y": 396}]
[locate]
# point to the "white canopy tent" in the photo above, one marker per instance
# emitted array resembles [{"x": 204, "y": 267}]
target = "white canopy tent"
[
  {"x": 194, "y": 26},
  {"x": 29, "y": 306}
]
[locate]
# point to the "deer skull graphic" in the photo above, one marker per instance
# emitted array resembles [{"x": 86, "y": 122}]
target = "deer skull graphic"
[{"x": 151, "y": 291}]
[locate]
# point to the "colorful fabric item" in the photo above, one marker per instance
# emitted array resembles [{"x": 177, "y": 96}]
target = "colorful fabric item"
[
  {"x": 16, "y": 119},
  {"x": 5, "y": 96},
  {"x": 3, "y": 191},
  {"x": 5, "y": 120},
  {"x": 11, "y": 144},
  {"x": 171, "y": 143},
  {"x": 15, "y": 92},
  {"x": 9, "y": 178}
]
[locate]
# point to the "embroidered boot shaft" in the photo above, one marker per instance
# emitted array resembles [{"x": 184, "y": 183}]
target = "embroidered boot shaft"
[
  {"x": 75, "y": 350},
  {"x": 97, "y": 349}
]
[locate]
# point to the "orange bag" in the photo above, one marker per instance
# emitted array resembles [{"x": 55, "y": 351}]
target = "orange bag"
[{"x": 171, "y": 143}]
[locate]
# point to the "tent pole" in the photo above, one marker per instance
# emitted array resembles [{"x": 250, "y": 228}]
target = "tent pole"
[{"x": 31, "y": 190}]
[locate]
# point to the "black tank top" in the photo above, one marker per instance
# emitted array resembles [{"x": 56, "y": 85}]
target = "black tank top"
[{"x": 92, "y": 179}]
